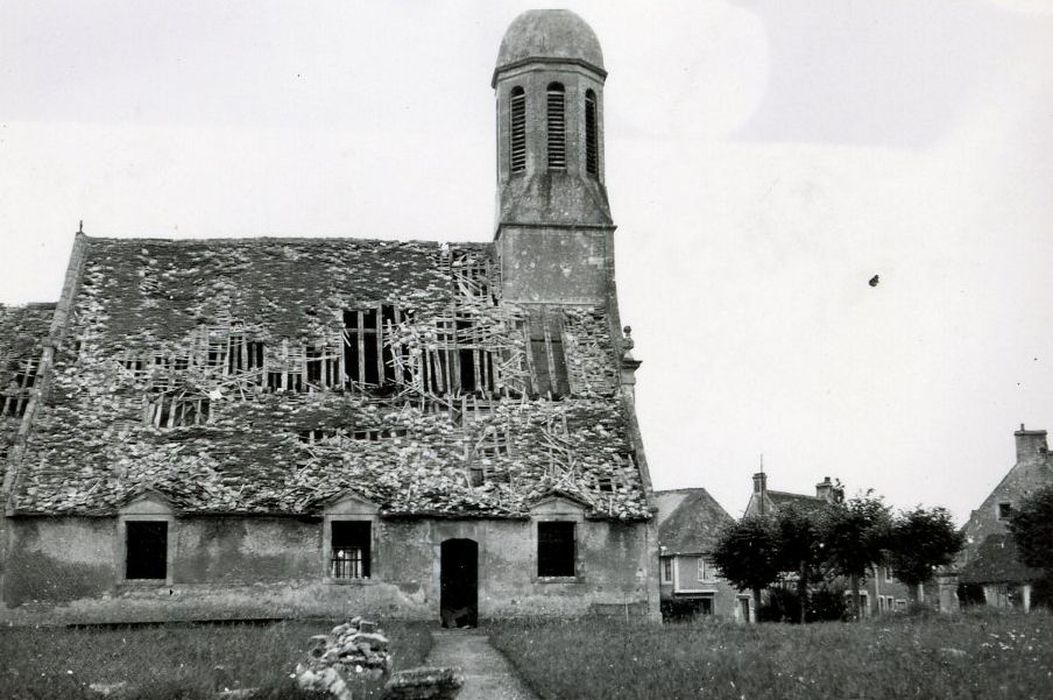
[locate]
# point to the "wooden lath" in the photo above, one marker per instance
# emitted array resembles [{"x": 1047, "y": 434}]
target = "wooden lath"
[
  {"x": 14, "y": 398},
  {"x": 471, "y": 273},
  {"x": 175, "y": 409}
]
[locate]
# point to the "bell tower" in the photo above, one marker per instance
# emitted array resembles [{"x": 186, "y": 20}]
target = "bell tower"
[{"x": 554, "y": 230}]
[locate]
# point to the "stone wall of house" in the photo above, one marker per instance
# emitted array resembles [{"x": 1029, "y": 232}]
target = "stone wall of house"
[
  {"x": 1032, "y": 471},
  {"x": 59, "y": 560},
  {"x": 71, "y": 569}
]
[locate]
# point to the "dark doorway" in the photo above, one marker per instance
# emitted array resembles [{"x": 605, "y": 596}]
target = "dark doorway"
[
  {"x": 458, "y": 583},
  {"x": 147, "y": 549}
]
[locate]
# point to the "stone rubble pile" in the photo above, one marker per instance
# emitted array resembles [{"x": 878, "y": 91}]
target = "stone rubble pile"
[{"x": 357, "y": 648}]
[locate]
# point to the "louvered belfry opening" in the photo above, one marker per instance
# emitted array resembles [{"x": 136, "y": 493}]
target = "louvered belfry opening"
[
  {"x": 517, "y": 117},
  {"x": 592, "y": 152},
  {"x": 557, "y": 127}
]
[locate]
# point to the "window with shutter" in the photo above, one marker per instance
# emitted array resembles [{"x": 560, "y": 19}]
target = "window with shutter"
[
  {"x": 592, "y": 149},
  {"x": 517, "y": 117},
  {"x": 557, "y": 127}
]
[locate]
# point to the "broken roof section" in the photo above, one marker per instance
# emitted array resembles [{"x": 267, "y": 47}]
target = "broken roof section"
[
  {"x": 271, "y": 375},
  {"x": 23, "y": 330}
]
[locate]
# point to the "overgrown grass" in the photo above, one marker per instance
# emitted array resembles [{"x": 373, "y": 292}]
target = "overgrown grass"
[
  {"x": 175, "y": 661},
  {"x": 964, "y": 656}
]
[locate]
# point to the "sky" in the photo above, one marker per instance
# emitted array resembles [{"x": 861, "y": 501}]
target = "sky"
[{"x": 765, "y": 159}]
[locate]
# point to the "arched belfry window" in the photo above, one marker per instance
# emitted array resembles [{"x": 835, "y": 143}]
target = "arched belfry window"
[
  {"x": 557, "y": 127},
  {"x": 517, "y": 121},
  {"x": 592, "y": 147}
]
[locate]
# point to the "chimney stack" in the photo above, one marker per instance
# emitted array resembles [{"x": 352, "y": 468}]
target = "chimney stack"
[
  {"x": 825, "y": 490},
  {"x": 1030, "y": 444},
  {"x": 760, "y": 482}
]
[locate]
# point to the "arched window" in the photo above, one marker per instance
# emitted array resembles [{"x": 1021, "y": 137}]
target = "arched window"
[
  {"x": 517, "y": 119},
  {"x": 592, "y": 147},
  {"x": 557, "y": 127}
]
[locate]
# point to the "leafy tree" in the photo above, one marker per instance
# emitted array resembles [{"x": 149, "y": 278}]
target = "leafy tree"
[
  {"x": 1031, "y": 525},
  {"x": 919, "y": 541},
  {"x": 854, "y": 536},
  {"x": 798, "y": 549},
  {"x": 747, "y": 554}
]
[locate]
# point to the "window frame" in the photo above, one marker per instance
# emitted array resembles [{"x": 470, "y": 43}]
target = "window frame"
[
  {"x": 365, "y": 559},
  {"x": 702, "y": 571},
  {"x": 665, "y": 568},
  {"x": 1006, "y": 516},
  {"x": 354, "y": 509},
  {"x": 573, "y": 525}
]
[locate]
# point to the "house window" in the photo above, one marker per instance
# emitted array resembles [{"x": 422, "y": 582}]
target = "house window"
[
  {"x": 889, "y": 576},
  {"x": 350, "y": 549},
  {"x": 548, "y": 357},
  {"x": 517, "y": 118},
  {"x": 555, "y": 549},
  {"x": 667, "y": 569},
  {"x": 592, "y": 148},
  {"x": 703, "y": 570},
  {"x": 557, "y": 128},
  {"x": 146, "y": 549},
  {"x": 1005, "y": 511}
]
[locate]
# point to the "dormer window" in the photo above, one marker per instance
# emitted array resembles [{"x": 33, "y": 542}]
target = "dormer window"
[
  {"x": 557, "y": 127},
  {"x": 517, "y": 119},
  {"x": 592, "y": 147}
]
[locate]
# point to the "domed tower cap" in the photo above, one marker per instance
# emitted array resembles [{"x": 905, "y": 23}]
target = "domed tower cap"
[{"x": 549, "y": 36}]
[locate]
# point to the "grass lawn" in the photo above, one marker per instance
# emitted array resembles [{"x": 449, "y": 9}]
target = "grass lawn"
[
  {"x": 983, "y": 655},
  {"x": 174, "y": 661}
]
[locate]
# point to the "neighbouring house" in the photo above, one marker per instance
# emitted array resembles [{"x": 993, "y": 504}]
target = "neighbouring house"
[
  {"x": 689, "y": 522},
  {"x": 989, "y": 570},
  {"x": 880, "y": 591},
  {"x": 282, "y": 426},
  {"x": 764, "y": 501}
]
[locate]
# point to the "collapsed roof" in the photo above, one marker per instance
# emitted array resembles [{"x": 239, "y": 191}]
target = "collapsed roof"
[{"x": 273, "y": 375}]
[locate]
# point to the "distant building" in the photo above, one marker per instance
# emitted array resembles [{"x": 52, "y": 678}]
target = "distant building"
[
  {"x": 989, "y": 570},
  {"x": 689, "y": 522},
  {"x": 766, "y": 502},
  {"x": 283, "y": 426},
  {"x": 880, "y": 592}
]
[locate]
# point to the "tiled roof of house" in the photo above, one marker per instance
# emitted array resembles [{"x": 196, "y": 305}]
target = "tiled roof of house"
[
  {"x": 783, "y": 498},
  {"x": 689, "y": 521},
  {"x": 996, "y": 561},
  {"x": 245, "y": 337}
]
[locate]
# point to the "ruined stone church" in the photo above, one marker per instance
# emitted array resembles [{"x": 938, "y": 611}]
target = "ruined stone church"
[{"x": 294, "y": 426}]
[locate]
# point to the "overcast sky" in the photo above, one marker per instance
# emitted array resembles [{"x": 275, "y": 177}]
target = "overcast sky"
[{"x": 765, "y": 159}]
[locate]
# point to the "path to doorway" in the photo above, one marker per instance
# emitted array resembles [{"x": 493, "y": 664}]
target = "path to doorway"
[{"x": 487, "y": 673}]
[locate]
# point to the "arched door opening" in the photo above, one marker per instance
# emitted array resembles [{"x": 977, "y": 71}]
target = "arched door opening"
[{"x": 459, "y": 583}]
